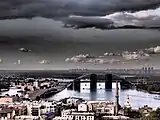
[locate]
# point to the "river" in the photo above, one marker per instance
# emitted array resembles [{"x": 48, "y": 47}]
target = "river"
[{"x": 137, "y": 98}]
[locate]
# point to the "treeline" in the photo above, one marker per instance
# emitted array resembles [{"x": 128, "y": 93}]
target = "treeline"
[
  {"x": 4, "y": 85},
  {"x": 149, "y": 87},
  {"x": 155, "y": 115}
]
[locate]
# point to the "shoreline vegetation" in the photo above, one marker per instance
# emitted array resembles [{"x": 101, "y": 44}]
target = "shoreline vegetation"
[
  {"x": 154, "y": 115},
  {"x": 150, "y": 88}
]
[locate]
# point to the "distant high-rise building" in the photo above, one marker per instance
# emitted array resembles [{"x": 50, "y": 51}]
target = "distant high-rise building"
[
  {"x": 19, "y": 62},
  {"x": 152, "y": 70},
  {"x": 147, "y": 70}
]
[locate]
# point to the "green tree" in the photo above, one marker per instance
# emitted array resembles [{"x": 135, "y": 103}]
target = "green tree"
[
  {"x": 158, "y": 112},
  {"x": 156, "y": 87},
  {"x": 150, "y": 88}
]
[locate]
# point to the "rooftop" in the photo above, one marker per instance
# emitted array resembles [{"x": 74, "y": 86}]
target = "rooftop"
[
  {"x": 5, "y": 111},
  {"x": 95, "y": 102},
  {"x": 27, "y": 117},
  {"x": 83, "y": 113},
  {"x": 117, "y": 117}
]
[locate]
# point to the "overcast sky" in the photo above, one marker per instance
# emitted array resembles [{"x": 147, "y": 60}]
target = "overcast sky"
[
  {"x": 132, "y": 12},
  {"x": 99, "y": 14},
  {"x": 47, "y": 27}
]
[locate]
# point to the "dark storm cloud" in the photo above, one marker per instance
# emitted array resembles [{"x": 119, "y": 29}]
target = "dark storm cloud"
[
  {"x": 87, "y": 22},
  {"x": 51, "y": 30},
  {"x": 63, "y": 8}
]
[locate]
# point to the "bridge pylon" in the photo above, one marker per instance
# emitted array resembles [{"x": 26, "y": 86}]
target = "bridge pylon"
[
  {"x": 108, "y": 81},
  {"x": 77, "y": 85},
  {"x": 93, "y": 82}
]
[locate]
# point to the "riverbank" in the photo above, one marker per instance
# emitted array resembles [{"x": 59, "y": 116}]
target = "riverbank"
[
  {"x": 150, "y": 92},
  {"x": 149, "y": 88},
  {"x": 45, "y": 93}
]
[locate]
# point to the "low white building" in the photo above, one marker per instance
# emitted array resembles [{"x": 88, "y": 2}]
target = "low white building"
[
  {"x": 83, "y": 115},
  {"x": 25, "y": 109},
  {"x": 73, "y": 101},
  {"x": 72, "y": 114},
  {"x": 46, "y": 84},
  {"x": 6, "y": 100},
  {"x": 77, "y": 116},
  {"x": 27, "y": 118},
  {"x": 39, "y": 108},
  {"x": 67, "y": 113},
  {"x": 82, "y": 107},
  {"x": 6, "y": 114},
  {"x": 103, "y": 107},
  {"x": 61, "y": 118},
  {"x": 115, "y": 118},
  {"x": 35, "y": 84}
]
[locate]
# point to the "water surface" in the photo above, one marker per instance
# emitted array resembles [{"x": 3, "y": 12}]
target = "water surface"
[{"x": 137, "y": 98}]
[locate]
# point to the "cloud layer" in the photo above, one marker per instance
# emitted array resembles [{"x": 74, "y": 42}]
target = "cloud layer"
[
  {"x": 103, "y": 14},
  {"x": 64, "y": 8},
  {"x": 142, "y": 19}
]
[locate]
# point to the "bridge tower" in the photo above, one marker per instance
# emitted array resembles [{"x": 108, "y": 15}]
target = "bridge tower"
[
  {"x": 108, "y": 81},
  {"x": 93, "y": 82},
  {"x": 77, "y": 85}
]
